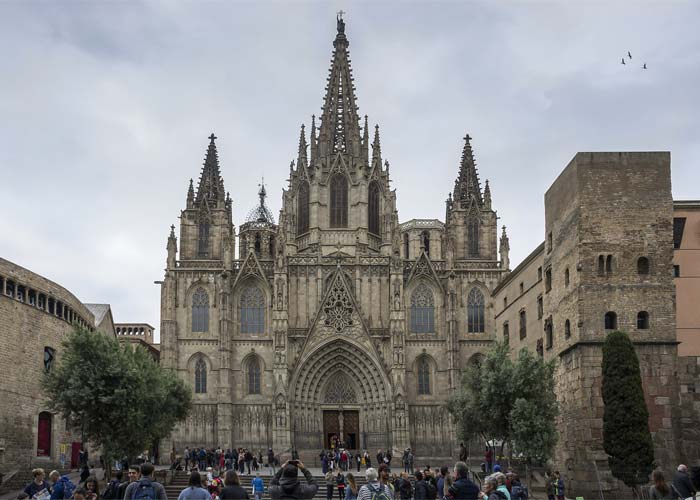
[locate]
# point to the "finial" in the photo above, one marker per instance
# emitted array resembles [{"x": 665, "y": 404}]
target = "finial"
[
  {"x": 261, "y": 192},
  {"x": 467, "y": 138},
  {"x": 172, "y": 231},
  {"x": 212, "y": 137},
  {"x": 340, "y": 24}
]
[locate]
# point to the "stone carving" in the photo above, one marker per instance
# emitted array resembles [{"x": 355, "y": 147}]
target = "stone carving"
[
  {"x": 338, "y": 307},
  {"x": 339, "y": 391}
]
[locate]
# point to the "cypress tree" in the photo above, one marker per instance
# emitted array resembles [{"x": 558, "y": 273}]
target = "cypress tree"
[{"x": 626, "y": 436}]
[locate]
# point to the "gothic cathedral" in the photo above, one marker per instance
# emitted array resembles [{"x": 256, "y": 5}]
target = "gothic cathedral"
[{"x": 337, "y": 320}]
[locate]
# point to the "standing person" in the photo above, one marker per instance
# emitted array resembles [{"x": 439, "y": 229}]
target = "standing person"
[
  {"x": 340, "y": 481},
  {"x": 248, "y": 457},
  {"x": 550, "y": 487},
  {"x": 82, "y": 456},
  {"x": 84, "y": 473},
  {"x": 358, "y": 459},
  {"x": 488, "y": 459},
  {"x": 441, "y": 482},
  {"x": 146, "y": 486},
  {"x": 330, "y": 484},
  {"x": 132, "y": 476},
  {"x": 559, "y": 485},
  {"x": 501, "y": 480},
  {"x": 187, "y": 458},
  {"x": 271, "y": 461},
  {"x": 661, "y": 489},
  {"x": 404, "y": 460},
  {"x": 491, "y": 491},
  {"x": 405, "y": 489},
  {"x": 463, "y": 487},
  {"x": 462, "y": 452},
  {"x": 383, "y": 474},
  {"x": 351, "y": 491},
  {"x": 380, "y": 458},
  {"x": 233, "y": 489},
  {"x": 286, "y": 486},
  {"x": 410, "y": 461},
  {"x": 420, "y": 488},
  {"x": 38, "y": 484},
  {"x": 92, "y": 488},
  {"x": 258, "y": 487},
  {"x": 194, "y": 489},
  {"x": 374, "y": 490},
  {"x": 368, "y": 461},
  {"x": 112, "y": 489},
  {"x": 682, "y": 483},
  {"x": 62, "y": 486}
]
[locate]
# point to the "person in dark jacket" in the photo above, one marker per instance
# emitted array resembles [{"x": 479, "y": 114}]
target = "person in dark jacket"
[
  {"x": 38, "y": 484},
  {"x": 233, "y": 489},
  {"x": 421, "y": 489},
  {"x": 286, "y": 486},
  {"x": 682, "y": 484},
  {"x": 463, "y": 488}
]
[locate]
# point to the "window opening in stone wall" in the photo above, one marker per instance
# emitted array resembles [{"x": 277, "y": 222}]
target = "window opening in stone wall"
[
  {"x": 676, "y": 271},
  {"x": 10, "y": 288},
  {"x": 506, "y": 334},
  {"x": 549, "y": 242},
  {"x": 601, "y": 265},
  {"x": 678, "y": 227},
  {"x": 373, "y": 208},
  {"x": 49, "y": 357},
  {"x": 254, "y": 377},
  {"x": 610, "y": 320},
  {"x": 549, "y": 332},
  {"x": 21, "y": 293},
  {"x": 203, "y": 240},
  {"x": 303, "y": 209},
  {"x": 567, "y": 329},
  {"x": 548, "y": 279},
  {"x": 642, "y": 320},
  {"x": 423, "y": 376},
  {"x": 339, "y": 201},
  {"x": 643, "y": 265},
  {"x": 200, "y": 311},
  {"x": 43, "y": 447},
  {"x": 539, "y": 274},
  {"x": 200, "y": 377},
  {"x": 473, "y": 237},
  {"x": 505, "y": 302},
  {"x": 52, "y": 306},
  {"x": 523, "y": 325},
  {"x": 522, "y": 288},
  {"x": 31, "y": 298},
  {"x": 257, "y": 246},
  {"x": 405, "y": 246},
  {"x": 609, "y": 264},
  {"x": 2, "y": 285},
  {"x": 425, "y": 242},
  {"x": 540, "y": 307},
  {"x": 475, "y": 311},
  {"x": 566, "y": 277},
  {"x": 422, "y": 310},
  {"x": 41, "y": 304},
  {"x": 59, "y": 309},
  {"x": 252, "y": 310},
  {"x": 540, "y": 348}
]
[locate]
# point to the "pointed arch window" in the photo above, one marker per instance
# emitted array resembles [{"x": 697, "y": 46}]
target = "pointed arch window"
[
  {"x": 339, "y": 201},
  {"x": 257, "y": 244},
  {"x": 303, "y": 208},
  {"x": 373, "y": 208},
  {"x": 254, "y": 376},
  {"x": 422, "y": 310},
  {"x": 200, "y": 311},
  {"x": 423, "y": 376},
  {"x": 425, "y": 242},
  {"x": 252, "y": 311},
  {"x": 203, "y": 241},
  {"x": 200, "y": 377},
  {"x": 405, "y": 246},
  {"x": 473, "y": 237},
  {"x": 475, "y": 311}
]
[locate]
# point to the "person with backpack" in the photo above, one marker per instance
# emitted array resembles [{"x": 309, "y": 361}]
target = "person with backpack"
[
  {"x": 133, "y": 476},
  {"x": 258, "y": 487},
  {"x": 517, "y": 490},
  {"x": 146, "y": 487},
  {"x": 285, "y": 484},
  {"x": 194, "y": 490},
  {"x": 112, "y": 489},
  {"x": 62, "y": 486},
  {"x": 374, "y": 490},
  {"x": 405, "y": 490},
  {"x": 491, "y": 491},
  {"x": 421, "y": 489},
  {"x": 463, "y": 487}
]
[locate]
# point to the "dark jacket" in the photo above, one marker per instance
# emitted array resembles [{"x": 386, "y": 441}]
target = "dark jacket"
[
  {"x": 683, "y": 485},
  {"x": 234, "y": 492},
  {"x": 423, "y": 490},
  {"x": 289, "y": 488},
  {"x": 463, "y": 489},
  {"x": 405, "y": 489},
  {"x": 33, "y": 488}
]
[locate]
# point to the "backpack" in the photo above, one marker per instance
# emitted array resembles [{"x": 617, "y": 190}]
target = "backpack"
[
  {"x": 378, "y": 494},
  {"x": 112, "y": 491},
  {"x": 500, "y": 494},
  {"x": 519, "y": 492},
  {"x": 68, "y": 487},
  {"x": 143, "y": 490}
]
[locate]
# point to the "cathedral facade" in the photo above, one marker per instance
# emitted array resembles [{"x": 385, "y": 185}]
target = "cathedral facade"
[{"x": 336, "y": 319}]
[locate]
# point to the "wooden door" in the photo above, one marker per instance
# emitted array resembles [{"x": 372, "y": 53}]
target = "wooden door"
[
  {"x": 351, "y": 429},
  {"x": 43, "y": 448},
  {"x": 331, "y": 426}
]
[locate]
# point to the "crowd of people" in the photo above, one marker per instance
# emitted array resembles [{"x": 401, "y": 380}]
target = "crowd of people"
[{"x": 240, "y": 459}]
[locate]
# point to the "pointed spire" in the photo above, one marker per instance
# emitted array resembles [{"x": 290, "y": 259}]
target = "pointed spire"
[
  {"x": 211, "y": 186},
  {"x": 172, "y": 232},
  {"x": 505, "y": 247},
  {"x": 467, "y": 184},
  {"x": 376, "y": 148},
  {"x": 487, "y": 196},
  {"x": 301, "y": 157},
  {"x": 190, "y": 195},
  {"x": 312, "y": 138},
  {"x": 172, "y": 248},
  {"x": 340, "y": 124},
  {"x": 365, "y": 142}
]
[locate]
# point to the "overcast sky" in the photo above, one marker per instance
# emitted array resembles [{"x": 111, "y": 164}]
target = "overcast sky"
[{"x": 105, "y": 109}]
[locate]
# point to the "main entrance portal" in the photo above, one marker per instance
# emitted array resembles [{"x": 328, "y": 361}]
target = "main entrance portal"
[{"x": 341, "y": 426}]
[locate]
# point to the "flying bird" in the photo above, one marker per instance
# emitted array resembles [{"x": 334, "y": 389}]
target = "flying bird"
[
  {"x": 622, "y": 61},
  {"x": 629, "y": 54},
  {"x": 645, "y": 66}
]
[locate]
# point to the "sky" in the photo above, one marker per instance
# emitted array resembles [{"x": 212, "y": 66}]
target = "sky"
[{"x": 105, "y": 110}]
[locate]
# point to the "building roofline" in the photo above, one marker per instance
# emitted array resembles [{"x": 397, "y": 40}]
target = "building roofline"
[
  {"x": 519, "y": 268},
  {"x": 686, "y": 204}
]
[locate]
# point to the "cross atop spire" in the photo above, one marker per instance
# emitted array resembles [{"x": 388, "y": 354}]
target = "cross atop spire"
[
  {"x": 211, "y": 185},
  {"x": 467, "y": 183}
]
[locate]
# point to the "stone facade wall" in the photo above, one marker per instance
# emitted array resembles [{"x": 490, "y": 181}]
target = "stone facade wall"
[{"x": 25, "y": 330}]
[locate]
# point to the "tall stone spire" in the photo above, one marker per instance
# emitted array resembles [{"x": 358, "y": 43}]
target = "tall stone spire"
[
  {"x": 487, "y": 196},
  {"x": 340, "y": 124},
  {"x": 505, "y": 248},
  {"x": 190, "y": 195},
  {"x": 467, "y": 184},
  {"x": 211, "y": 185},
  {"x": 365, "y": 142},
  {"x": 376, "y": 148},
  {"x": 301, "y": 157}
]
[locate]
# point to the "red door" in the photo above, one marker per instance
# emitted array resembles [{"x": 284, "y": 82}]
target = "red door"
[
  {"x": 75, "y": 455},
  {"x": 43, "y": 448}
]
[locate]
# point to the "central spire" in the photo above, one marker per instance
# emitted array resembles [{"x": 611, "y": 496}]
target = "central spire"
[
  {"x": 211, "y": 186},
  {"x": 467, "y": 184},
  {"x": 340, "y": 123}
]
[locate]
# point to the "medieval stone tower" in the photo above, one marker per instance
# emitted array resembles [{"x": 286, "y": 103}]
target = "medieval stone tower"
[{"x": 337, "y": 320}]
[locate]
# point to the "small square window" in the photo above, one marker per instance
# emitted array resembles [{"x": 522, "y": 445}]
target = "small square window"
[
  {"x": 522, "y": 288},
  {"x": 676, "y": 271},
  {"x": 539, "y": 274}
]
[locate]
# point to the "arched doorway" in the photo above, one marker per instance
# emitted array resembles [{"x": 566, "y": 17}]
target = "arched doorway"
[
  {"x": 341, "y": 392},
  {"x": 43, "y": 447}
]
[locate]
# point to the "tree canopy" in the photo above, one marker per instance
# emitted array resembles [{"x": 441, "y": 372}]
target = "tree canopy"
[
  {"x": 506, "y": 400},
  {"x": 626, "y": 436},
  {"x": 119, "y": 397}
]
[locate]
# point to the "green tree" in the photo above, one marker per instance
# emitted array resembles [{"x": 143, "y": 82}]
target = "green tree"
[
  {"x": 119, "y": 397},
  {"x": 626, "y": 436}
]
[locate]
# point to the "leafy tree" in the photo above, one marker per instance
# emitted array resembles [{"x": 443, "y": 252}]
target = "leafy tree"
[
  {"x": 120, "y": 398},
  {"x": 626, "y": 436}
]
